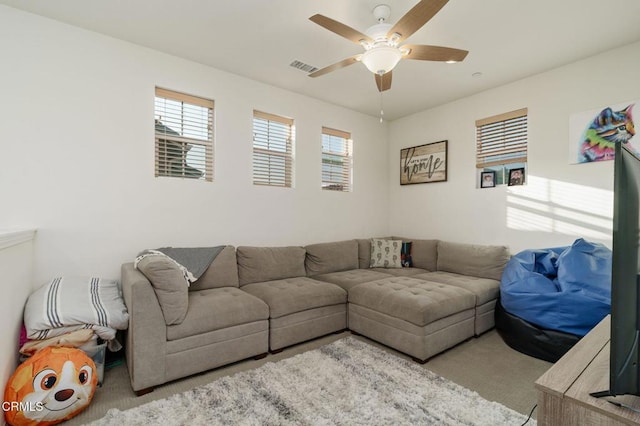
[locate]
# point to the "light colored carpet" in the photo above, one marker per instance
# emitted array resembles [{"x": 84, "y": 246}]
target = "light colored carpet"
[
  {"x": 345, "y": 382},
  {"x": 484, "y": 364}
]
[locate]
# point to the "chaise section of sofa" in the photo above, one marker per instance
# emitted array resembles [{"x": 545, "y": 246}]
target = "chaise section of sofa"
[
  {"x": 301, "y": 308},
  {"x": 453, "y": 286},
  {"x": 420, "y": 318},
  {"x": 445, "y": 279},
  {"x": 475, "y": 268},
  {"x": 222, "y": 324}
]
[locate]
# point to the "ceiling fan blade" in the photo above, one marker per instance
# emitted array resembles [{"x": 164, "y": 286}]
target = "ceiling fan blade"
[
  {"x": 343, "y": 63},
  {"x": 383, "y": 81},
  {"x": 423, "y": 52},
  {"x": 340, "y": 29},
  {"x": 414, "y": 19}
]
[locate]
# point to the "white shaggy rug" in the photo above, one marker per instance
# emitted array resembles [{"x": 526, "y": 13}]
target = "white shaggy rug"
[{"x": 347, "y": 382}]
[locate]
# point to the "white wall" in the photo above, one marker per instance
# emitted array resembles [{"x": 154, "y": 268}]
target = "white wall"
[
  {"x": 560, "y": 202},
  {"x": 78, "y": 151},
  {"x": 16, "y": 269}
]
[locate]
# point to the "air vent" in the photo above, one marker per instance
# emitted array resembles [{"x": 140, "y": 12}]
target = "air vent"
[{"x": 303, "y": 67}]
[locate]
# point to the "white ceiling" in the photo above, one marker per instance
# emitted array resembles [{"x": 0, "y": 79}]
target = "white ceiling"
[{"x": 258, "y": 39}]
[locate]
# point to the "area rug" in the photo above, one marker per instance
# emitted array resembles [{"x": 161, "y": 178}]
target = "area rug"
[{"x": 347, "y": 382}]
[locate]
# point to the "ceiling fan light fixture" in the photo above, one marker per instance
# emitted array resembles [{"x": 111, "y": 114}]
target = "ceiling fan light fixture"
[
  {"x": 382, "y": 41},
  {"x": 394, "y": 39},
  {"x": 381, "y": 60}
]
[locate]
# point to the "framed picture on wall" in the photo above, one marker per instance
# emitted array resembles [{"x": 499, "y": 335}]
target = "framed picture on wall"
[
  {"x": 516, "y": 176},
  {"x": 488, "y": 179},
  {"x": 424, "y": 163},
  {"x": 594, "y": 133}
]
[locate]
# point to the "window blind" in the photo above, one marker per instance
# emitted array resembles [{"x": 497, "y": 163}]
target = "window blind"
[
  {"x": 272, "y": 150},
  {"x": 183, "y": 135},
  {"x": 502, "y": 139},
  {"x": 337, "y": 160}
]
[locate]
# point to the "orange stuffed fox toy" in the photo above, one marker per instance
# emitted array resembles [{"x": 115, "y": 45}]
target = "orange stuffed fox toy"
[{"x": 53, "y": 385}]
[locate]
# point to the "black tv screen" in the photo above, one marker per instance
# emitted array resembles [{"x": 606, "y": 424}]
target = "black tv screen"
[{"x": 625, "y": 308}]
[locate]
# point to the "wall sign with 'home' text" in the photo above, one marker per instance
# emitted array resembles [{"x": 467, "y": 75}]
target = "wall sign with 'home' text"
[{"x": 424, "y": 163}]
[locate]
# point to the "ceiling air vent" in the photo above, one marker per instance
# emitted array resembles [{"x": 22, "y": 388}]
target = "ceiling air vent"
[{"x": 303, "y": 67}]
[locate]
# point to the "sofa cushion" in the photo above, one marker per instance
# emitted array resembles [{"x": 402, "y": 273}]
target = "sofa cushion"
[
  {"x": 170, "y": 286},
  {"x": 349, "y": 279},
  {"x": 257, "y": 264},
  {"x": 385, "y": 253},
  {"x": 416, "y": 301},
  {"x": 364, "y": 253},
  {"x": 216, "y": 309},
  {"x": 293, "y": 295},
  {"x": 223, "y": 272},
  {"x": 337, "y": 256},
  {"x": 424, "y": 253},
  {"x": 470, "y": 259},
  {"x": 485, "y": 289}
]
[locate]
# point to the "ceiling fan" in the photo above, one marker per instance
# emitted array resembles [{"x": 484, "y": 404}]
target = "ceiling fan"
[{"x": 382, "y": 41}]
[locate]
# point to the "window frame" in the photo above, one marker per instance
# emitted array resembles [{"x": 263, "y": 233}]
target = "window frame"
[
  {"x": 344, "y": 181},
  {"x": 164, "y": 135},
  {"x": 502, "y": 141},
  {"x": 270, "y": 172}
]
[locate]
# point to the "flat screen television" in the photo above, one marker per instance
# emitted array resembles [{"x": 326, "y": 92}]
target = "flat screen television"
[{"x": 625, "y": 291}]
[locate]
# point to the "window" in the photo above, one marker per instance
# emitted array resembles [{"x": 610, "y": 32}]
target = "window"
[
  {"x": 501, "y": 144},
  {"x": 272, "y": 150},
  {"x": 336, "y": 160},
  {"x": 184, "y": 135}
]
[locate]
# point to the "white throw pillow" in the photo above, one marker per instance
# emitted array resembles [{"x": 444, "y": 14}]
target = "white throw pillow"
[{"x": 385, "y": 253}]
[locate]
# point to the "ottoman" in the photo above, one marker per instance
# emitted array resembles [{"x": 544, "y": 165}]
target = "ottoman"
[
  {"x": 418, "y": 317},
  {"x": 486, "y": 290}
]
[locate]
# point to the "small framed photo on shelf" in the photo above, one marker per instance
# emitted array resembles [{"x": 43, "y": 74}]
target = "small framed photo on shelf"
[
  {"x": 516, "y": 176},
  {"x": 488, "y": 179}
]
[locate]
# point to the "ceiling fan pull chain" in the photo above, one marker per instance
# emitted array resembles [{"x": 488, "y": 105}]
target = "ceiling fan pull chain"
[{"x": 381, "y": 109}]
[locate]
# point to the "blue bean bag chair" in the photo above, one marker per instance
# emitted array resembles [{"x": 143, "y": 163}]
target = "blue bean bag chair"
[{"x": 567, "y": 289}]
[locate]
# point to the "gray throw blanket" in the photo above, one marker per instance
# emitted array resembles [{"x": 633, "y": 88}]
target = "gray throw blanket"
[{"x": 196, "y": 260}]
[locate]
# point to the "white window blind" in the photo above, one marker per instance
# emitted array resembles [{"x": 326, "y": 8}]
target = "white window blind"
[
  {"x": 184, "y": 135},
  {"x": 337, "y": 160},
  {"x": 272, "y": 150},
  {"x": 502, "y": 139}
]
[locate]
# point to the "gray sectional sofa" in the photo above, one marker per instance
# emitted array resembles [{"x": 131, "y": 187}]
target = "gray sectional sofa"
[{"x": 252, "y": 300}]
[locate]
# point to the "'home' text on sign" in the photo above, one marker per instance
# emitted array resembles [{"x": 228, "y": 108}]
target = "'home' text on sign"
[{"x": 424, "y": 163}]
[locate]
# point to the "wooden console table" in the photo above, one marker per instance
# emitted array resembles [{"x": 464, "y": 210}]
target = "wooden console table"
[{"x": 563, "y": 391}]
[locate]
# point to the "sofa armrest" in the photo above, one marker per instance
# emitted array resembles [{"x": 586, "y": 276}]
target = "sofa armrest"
[{"x": 147, "y": 333}]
